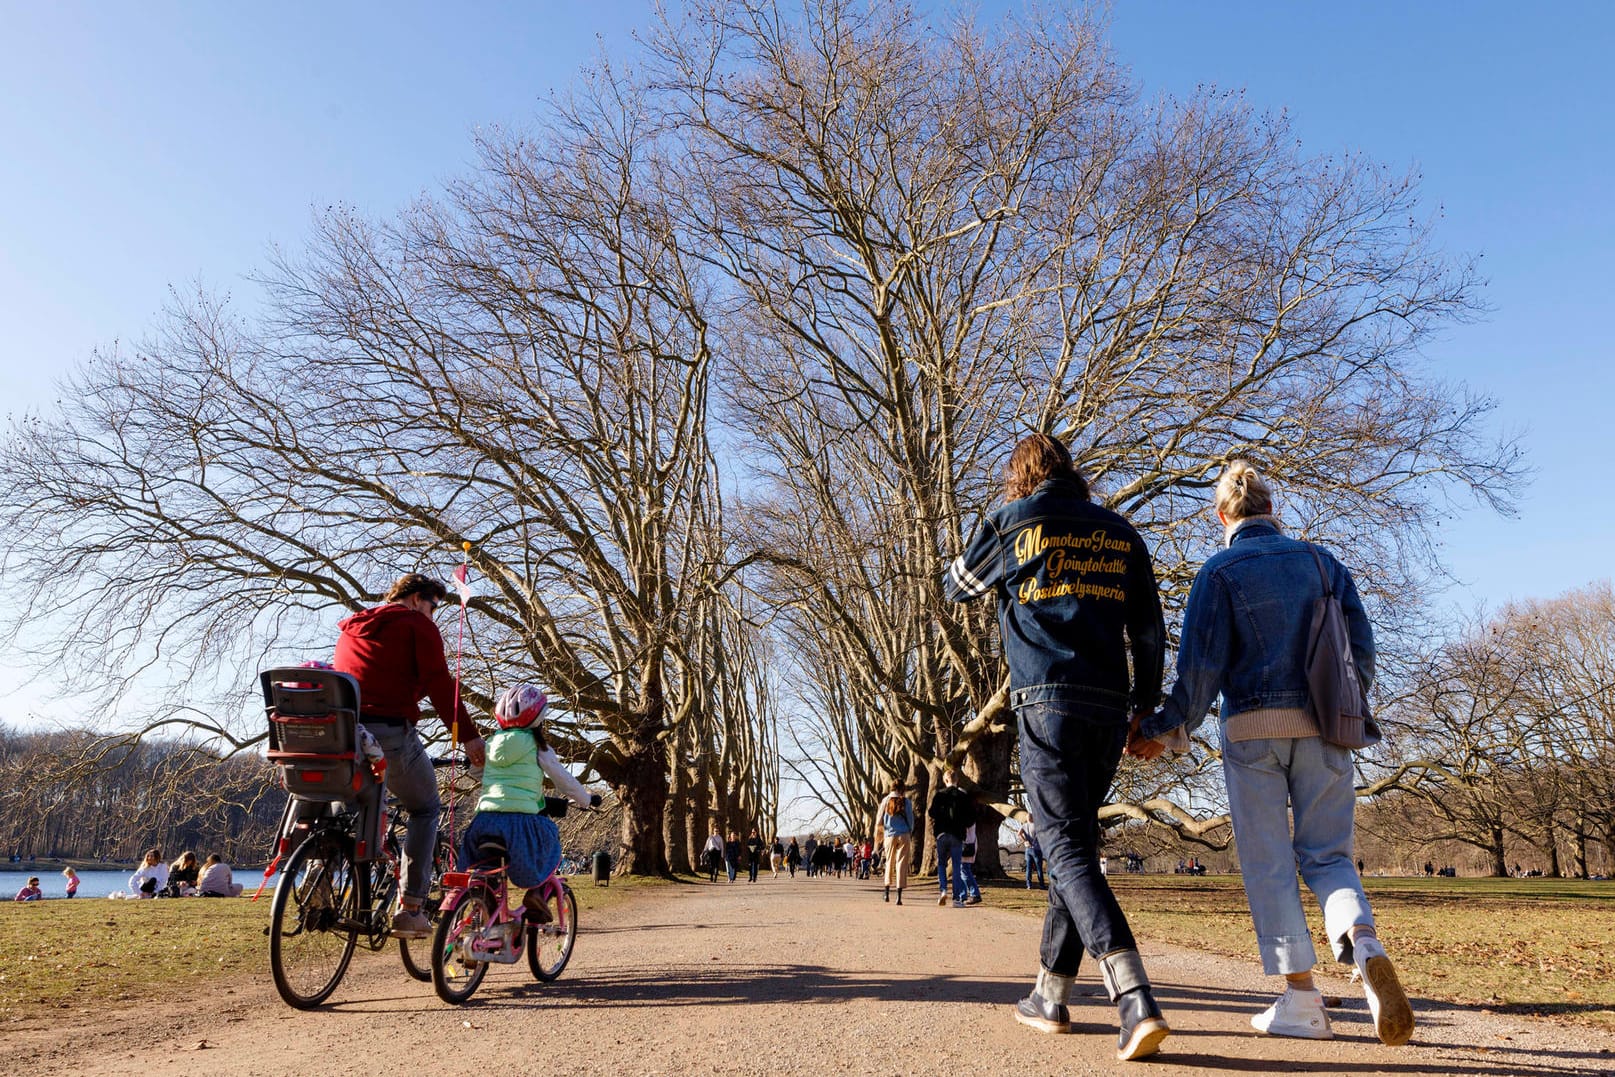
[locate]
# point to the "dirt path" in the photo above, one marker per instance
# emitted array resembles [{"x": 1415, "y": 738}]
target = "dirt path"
[{"x": 806, "y": 977}]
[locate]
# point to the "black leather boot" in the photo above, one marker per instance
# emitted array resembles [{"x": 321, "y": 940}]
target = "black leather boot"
[
  {"x": 886, "y": 895},
  {"x": 1143, "y": 1028},
  {"x": 1045, "y": 1008}
]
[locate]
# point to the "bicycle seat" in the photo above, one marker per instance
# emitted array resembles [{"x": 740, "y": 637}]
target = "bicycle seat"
[{"x": 492, "y": 849}]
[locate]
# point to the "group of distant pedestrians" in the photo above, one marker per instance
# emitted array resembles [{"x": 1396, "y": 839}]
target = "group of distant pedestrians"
[
  {"x": 1084, "y": 638},
  {"x": 840, "y": 857}
]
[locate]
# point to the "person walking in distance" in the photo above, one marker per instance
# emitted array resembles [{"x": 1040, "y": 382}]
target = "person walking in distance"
[
  {"x": 755, "y": 848},
  {"x": 951, "y": 813},
  {"x": 1245, "y": 636},
  {"x": 967, "y": 867},
  {"x": 1034, "y": 854},
  {"x": 395, "y": 653},
  {"x": 1076, "y": 592},
  {"x": 895, "y": 826},
  {"x": 712, "y": 853}
]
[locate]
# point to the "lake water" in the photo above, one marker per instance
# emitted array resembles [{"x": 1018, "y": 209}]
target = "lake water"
[{"x": 95, "y": 884}]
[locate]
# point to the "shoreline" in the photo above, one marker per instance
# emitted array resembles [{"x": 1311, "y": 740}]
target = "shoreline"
[{"x": 55, "y": 865}]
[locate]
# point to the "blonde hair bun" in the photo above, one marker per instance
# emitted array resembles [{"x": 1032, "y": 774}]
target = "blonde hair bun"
[{"x": 1242, "y": 492}]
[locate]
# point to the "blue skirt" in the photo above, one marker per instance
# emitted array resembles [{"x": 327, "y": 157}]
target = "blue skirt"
[{"x": 533, "y": 841}]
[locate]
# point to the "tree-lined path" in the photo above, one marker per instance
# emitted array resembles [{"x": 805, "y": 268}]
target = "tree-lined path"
[{"x": 781, "y": 978}]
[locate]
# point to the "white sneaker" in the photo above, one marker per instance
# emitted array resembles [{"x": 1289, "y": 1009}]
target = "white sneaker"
[
  {"x": 1393, "y": 1015},
  {"x": 1297, "y": 1013}
]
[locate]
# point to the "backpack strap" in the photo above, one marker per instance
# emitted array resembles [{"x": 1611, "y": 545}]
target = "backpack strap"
[{"x": 1328, "y": 585}]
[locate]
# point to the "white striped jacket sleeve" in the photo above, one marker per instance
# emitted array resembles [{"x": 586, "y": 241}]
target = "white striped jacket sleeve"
[{"x": 979, "y": 569}]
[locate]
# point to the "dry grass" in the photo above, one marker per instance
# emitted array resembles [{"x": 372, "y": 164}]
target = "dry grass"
[
  {"x": 1544, "y": 947},
  {"x": 58, "y": 957}
]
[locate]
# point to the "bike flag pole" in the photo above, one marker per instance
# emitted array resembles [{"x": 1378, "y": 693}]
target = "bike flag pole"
[{"x": 462, "y": 584}]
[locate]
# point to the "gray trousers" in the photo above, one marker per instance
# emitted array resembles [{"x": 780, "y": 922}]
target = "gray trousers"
[{"x": 410, "y": 778}]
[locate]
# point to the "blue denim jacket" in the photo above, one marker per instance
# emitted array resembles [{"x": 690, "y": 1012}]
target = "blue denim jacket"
[
  {"x": 1070, "y": 577},
  {"x": 1245, "y": 631}
]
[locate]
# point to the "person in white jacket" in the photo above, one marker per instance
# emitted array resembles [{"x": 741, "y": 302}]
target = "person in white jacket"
[{"x": 149, "y": 878}]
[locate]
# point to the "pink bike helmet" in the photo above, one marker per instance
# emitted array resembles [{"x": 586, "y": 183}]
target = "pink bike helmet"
[{"x": 519, "y": 707}]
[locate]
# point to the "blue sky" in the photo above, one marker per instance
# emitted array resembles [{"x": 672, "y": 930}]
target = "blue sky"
[{"x": 143, "y": 149}]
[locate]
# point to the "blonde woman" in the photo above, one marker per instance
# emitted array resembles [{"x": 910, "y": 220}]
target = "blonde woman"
[
  {"x": 895, "y": 826},
  {"x": 182, "y": 875},
  {"x": 150, "y": 877},
  {"x": 1245, "y": 636}
]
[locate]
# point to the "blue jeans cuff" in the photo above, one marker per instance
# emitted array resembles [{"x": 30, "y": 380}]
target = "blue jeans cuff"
[{"x": 1285, "y": 954}]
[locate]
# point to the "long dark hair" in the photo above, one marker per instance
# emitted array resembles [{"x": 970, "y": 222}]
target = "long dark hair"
[{"x": 1036, "y": 460}]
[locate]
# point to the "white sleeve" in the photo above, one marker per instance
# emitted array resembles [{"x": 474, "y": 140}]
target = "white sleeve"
[{"x": 562, "y": 777}]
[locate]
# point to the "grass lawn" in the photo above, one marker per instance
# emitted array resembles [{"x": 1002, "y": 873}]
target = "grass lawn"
[
  {"x": 1532, "y": 946},
  {"x": 59, "y": 957}
]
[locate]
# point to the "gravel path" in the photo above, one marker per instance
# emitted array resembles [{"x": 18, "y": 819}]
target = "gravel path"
[{"x": 807, "y": 977}]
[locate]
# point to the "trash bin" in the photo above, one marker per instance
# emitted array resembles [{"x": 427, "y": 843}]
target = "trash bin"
[{"x": 602, "y": 868}]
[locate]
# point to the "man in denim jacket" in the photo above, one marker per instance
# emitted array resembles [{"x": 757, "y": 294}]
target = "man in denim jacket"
[{"x": 1075, "y": 588}]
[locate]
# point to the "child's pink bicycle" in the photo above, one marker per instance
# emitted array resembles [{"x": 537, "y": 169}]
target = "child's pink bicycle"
[{"x": 477, "y": 927}]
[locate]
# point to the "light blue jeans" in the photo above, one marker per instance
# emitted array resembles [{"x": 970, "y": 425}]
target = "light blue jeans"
[
  {"x": 1314, "y": 780},
  {"x": 967, "y": 872}
]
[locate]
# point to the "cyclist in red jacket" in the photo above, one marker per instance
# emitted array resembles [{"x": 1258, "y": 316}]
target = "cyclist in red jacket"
[{"x": 396, "y": 653}]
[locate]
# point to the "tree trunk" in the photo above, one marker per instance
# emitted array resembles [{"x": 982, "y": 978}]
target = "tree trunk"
[
  {"x": 643, "y": 793},
  {"x": 676, "y": 821},
  {"x": 987, "y": 764},
  {"x": 922, "y": 856},
  {"x": 1499, "y": 857},
  {"x": 700, "y": 816},
  {"x": 1579, "y": 845}
]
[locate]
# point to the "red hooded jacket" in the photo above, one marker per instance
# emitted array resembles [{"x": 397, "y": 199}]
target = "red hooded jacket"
[{"x": 397, "y": 656}]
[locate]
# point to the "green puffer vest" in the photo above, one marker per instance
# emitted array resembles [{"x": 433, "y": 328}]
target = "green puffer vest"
[{"x": 512, "y": 780}]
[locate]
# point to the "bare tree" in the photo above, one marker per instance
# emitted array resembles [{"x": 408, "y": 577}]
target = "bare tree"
[
  {"x": 523, "y": 367},
  {"x": 949, "y": 236}
]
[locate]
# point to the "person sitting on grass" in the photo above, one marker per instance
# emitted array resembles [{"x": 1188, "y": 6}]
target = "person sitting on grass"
[
  {"x": 182, "y": 875},
  {"x": 31, "y": 892},
  {"x": 510, "y": 812},
  {"x": 149, "y": 878},
  {"x": 216, "y": 879}
]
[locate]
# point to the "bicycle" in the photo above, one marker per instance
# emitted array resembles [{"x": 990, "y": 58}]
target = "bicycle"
[
  {"x": 327, "y": 901},
  {"x": 477, "y": 927},
  {"x": 342, "y": 878}
]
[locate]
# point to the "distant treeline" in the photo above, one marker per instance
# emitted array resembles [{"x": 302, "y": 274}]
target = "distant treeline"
[{"x": 89, "y": 796}]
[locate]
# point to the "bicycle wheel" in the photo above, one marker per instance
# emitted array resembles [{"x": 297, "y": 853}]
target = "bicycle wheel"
[
  {"x": 311, "y": 932},
  {"x": 418, "y": 962},
  {"x": 456, "y": 973},
  {"x": 549, "y": 946}
]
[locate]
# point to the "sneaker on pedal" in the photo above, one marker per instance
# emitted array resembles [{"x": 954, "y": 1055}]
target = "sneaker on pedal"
[
  {"x": 411, "y": 924},
  {"x": 535, "y": 909},
  {"x": 1296, "y": 1013}
]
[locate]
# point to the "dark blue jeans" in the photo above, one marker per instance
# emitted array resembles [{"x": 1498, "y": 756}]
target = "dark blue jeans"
[
  {"x": 949, "y": 860},
  {"x": 1069, "y": 754}
]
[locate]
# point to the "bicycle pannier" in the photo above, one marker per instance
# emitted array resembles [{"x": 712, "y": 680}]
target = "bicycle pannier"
[{"x": 1337, "y": 701}]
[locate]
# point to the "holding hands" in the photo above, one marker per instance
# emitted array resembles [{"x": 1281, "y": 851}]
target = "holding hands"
[{"x": 1141, "y": 747}]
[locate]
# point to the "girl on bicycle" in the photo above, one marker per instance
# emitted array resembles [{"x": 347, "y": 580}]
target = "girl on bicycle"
[{"x": 512, "y": 803}]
